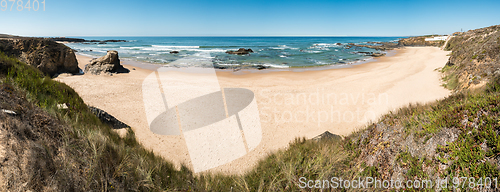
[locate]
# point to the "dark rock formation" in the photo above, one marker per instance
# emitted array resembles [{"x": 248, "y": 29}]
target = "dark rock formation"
[
  {"x": 376, "y": 45},
  {"x": 174, "y": 52},
  {"x": 107, "y": 118},
  {"x": 373, "y": 54},
  {"x": 78, "y": 40},
  {"x": 69, "y": 40},
  {"x": 260, "y": 67},
  {"x": 110, "y": 63},
  {"x": 241, "y": 51},
  {"x": 48, "y": 56}
]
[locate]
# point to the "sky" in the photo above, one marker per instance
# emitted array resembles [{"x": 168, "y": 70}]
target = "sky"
[{"x": 247, "y": 17}]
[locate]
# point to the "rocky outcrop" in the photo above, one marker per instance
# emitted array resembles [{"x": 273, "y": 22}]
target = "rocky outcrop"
[
  {"x": 420, "y": 41},
  {"x": 383, "y": 46},
  {"x": 48, "y": 56},
  {"x": 78, "y": 40},
  {"x": 110, "y": 63},
  {"x": 241, "y": 51},
  {"x": 174, "y": 52},
  {"x": 475, "y": 57},
  {"x": 373, "y": 54}
]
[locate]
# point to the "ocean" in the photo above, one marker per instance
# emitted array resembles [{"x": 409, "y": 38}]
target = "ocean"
[{"x": 271, "y": 52}]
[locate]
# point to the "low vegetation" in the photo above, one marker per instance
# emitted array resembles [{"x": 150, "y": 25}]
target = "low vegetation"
[{"x": 56, "y": 149}]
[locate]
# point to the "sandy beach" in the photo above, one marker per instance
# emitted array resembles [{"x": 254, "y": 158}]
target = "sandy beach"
[{"x": 291, "y": 104}]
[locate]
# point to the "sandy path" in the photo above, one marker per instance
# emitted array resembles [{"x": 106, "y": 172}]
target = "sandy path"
[{"x": 291, "y": 104}]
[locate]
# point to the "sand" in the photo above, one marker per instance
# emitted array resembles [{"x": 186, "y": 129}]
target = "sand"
[{"x": 290, "y": 104}]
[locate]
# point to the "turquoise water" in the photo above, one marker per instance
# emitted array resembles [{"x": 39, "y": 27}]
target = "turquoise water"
[{"x": 274, "y": 52}]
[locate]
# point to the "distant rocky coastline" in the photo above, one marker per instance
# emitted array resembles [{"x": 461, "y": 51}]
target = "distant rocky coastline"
[{"x": 78, "y": 40}]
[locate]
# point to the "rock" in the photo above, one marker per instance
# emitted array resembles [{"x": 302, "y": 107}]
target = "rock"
[
  {"x": 110, "y": 63},
  {"x": 114, "y": 41},
  {"x": 377, "y": 54},
  {"x": 377, "y": 45},
  {"x": 174, "y": 52},
  {"x": 327, "y": 135},
  {"x": 46, "y": 55},
  {"x": 261, "y": 67},
  {"x": 13, "y": 113},
  {"x": 62, "y": 106},
  {"x": 107, "y": 118},
  {"x": 241, "y": 51},
  {"x": 102, "y": 42}
]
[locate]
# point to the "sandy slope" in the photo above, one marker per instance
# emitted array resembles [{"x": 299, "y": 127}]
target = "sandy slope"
[{"x": 291, "y": 104}]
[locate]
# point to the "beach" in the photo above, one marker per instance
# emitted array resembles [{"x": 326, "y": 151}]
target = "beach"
[{"x": 291, "y": 104}]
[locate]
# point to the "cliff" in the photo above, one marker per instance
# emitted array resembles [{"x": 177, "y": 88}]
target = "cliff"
[
  {"x": 48, "y": 56},
  {"x": 475, "y": 58}
]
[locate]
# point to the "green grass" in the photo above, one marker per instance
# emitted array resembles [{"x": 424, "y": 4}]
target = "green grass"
[
  {"x": 105, "y": 160},
  {"x": 451, "y": 81}
]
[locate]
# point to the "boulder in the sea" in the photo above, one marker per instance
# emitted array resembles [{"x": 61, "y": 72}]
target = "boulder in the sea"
[
  {"x": 174, "y": 52},
  {"x": 48, "y": 56},
  {"x": 241, "y": 51},
  {"x": 110, "y": 63},
  {"x": 261, "y": 67}
]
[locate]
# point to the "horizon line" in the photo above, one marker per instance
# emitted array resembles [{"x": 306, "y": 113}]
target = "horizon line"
[{"x": 75, "y": 36}]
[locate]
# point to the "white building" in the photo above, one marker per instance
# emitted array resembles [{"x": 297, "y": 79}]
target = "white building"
[{"x": 437, "y": 38}]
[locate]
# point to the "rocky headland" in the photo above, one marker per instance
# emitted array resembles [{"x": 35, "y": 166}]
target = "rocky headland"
[
  {"x": 46, "y": 55},
  {"x": 79, "y": 40}
]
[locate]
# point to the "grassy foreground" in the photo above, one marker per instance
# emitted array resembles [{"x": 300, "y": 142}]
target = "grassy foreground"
[{"x": 454, "y": 137}]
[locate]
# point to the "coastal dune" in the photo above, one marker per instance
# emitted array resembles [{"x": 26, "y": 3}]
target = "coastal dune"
[{"x": 291, "y": 104}]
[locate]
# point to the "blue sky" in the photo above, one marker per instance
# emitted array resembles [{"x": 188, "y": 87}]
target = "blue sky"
[{"x": 249, "y": 18}]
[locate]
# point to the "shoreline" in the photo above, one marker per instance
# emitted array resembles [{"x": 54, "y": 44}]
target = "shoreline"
[
  {"x": 408, "y": 76},
  {"x": 151, "y": 66}
]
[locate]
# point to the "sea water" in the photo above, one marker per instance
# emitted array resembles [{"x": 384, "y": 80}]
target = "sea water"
[{"x": 271, "y": 52}]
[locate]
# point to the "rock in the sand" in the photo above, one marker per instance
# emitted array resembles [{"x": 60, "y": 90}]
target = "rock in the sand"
[
  {"x": 327, "y": 135},
  {"x": 110, "y": 63},
  {"x": 107, "y": 118},
  {"x": 241, "y": 51},
  {"x": 174, "y": 52}
]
